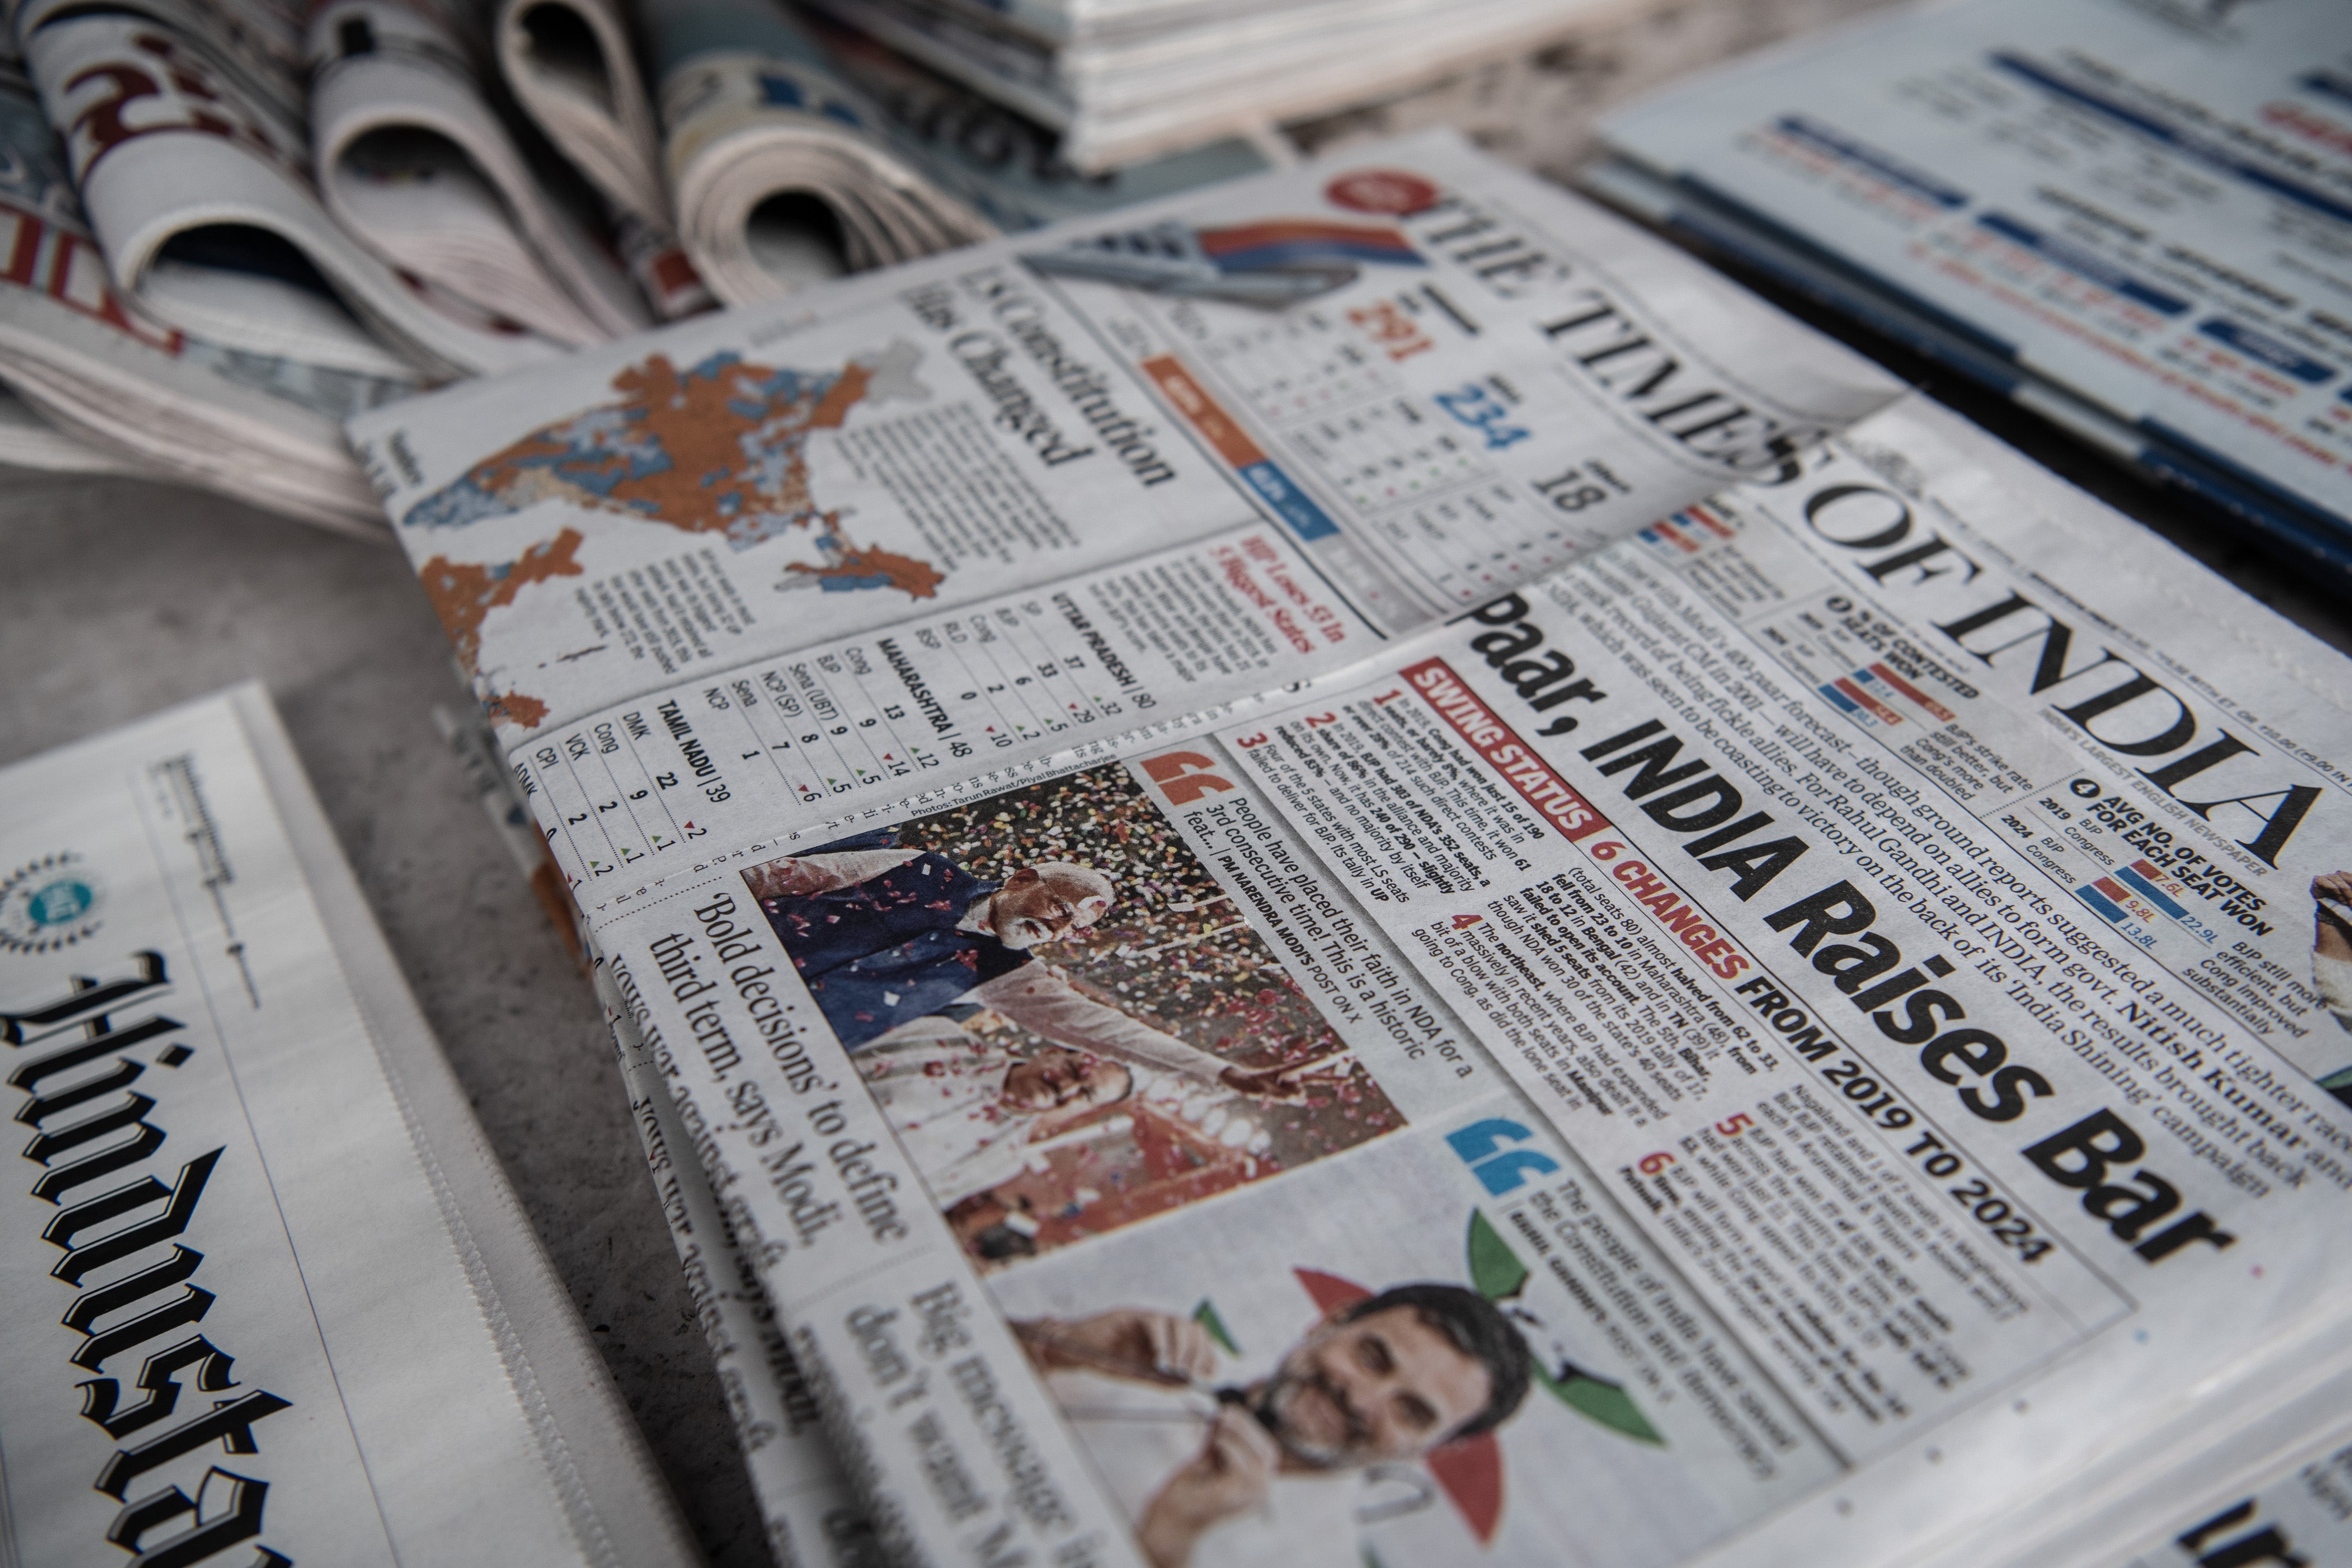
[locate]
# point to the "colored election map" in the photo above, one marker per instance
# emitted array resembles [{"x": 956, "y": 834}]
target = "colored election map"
[
  {"x": 464, "y": 592},
  {"x": 720, "y": 447}
]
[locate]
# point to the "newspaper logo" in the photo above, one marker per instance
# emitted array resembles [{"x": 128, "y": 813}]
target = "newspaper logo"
[
  {"x": 50, "y": 904},
  {"x": 1393, "y": 193}
]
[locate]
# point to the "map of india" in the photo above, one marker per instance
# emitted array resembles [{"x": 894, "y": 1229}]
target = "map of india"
[
  {"x": 720, "y": 447},
  {"x": 464, "y": 592}
]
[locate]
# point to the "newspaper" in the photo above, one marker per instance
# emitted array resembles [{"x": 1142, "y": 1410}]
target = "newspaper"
[
  {"x": 571, "y": 67},
  {"x": 1010, "y": 168},
  {"x": 417, "y": 165},
  {"x": 2246, "y": 1440},
  {"x": 1823, "y": 1093},
  {"x": 1150, "y": 81},
  {"x": 187, "y": 144},
  {"x": 777, "y": 168},
  {"x": 2134, "y": 217},
  {"x": 802, "y": 1491},
  {"x": 798, "y": 150},
  {"x": 1256, "y": 610},
  {"x": 809, "y": 1512},
  {"x": 1797, "y": 1036},
  {"x": 2303, "y": 1515},
  {"x": 273, "y": 1301},
  {"x": 140, "y": 396},
  {"x": 29, "y": 441},
  {"x": 2300, "y": 1513}
]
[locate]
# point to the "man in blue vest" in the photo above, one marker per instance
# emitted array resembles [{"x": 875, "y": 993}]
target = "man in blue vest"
[{"x": 885, "y": 936}]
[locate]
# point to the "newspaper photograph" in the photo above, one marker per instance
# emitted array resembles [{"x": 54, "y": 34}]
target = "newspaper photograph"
[
  {"x": 984, "y": 1093},
  {"x": 1757, "y": 1017},
  {"x": 2143, "y": 203}
]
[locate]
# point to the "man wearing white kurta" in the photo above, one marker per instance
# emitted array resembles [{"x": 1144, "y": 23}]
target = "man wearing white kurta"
[{"x": 969, "y": 1113}]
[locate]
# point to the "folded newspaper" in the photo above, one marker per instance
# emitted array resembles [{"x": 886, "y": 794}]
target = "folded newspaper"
[
  {"x": 2134, "y": 218},
  {"x": 797, "y": 151},
  {"x": 188, "y": 137},
  {"x": 571, "y": 67},
  {"x": 29, "y": 441},
  {"x": 270, "y": 1298},
  {"x": 1125, "y": 82},
  {"x": 98, "y": 377},
  {"x": 416, "y": 164},
  {"x": 221, "y": 314},
  {"x": 1577, "y": 942}
]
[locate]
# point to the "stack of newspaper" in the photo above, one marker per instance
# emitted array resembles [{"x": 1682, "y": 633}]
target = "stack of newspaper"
[
  {"x": 233, "y": 227},
  {"x": 268, "y": 1299},
  {"x": 2134, "y": 219},
  {"x": 1124, "y": 79},
  {"x": 1358, "y": 869}
]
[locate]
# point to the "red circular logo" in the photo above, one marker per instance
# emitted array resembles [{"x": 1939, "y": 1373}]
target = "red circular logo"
[{"x": 1390, "y": 191}]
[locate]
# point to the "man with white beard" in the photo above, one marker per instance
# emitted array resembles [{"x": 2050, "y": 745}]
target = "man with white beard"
[{"x": 884, "y": 937}]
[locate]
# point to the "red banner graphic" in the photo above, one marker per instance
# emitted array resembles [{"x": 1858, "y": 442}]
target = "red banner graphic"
[{"x": 1515, "y": 760}]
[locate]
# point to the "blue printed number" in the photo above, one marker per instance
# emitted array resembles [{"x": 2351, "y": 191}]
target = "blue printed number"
[{"x": 1479, "y": 408}]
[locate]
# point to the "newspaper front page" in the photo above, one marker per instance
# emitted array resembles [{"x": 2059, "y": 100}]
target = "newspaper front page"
[
  {"x": 1714, "y": 1112},
  {"x": 1274, "y": 539},
  {"x": 2142, "y": 205},
  {"x": 269, "y": 1298},
  {"x": 1246, "y": 433},
  {"x": 1797, "y": 1032}
]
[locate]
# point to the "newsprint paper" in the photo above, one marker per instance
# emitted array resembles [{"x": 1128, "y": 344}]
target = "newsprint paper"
[
  {"x": 1442, "y": 1038},
  {"x": 2129, "y": 214},
  {"x": 269, "y": 1298}
]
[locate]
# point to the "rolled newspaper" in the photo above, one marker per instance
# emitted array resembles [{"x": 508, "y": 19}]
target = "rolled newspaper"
[
  {"x": 198, "y": 183},
  {"x": 782, "y": 173},
  {"x": 129, "y": 394},
  {"x": 412, "y": 158},
  {"x": 573, "y": 71},
  {"x": 570, "y": 64}
]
